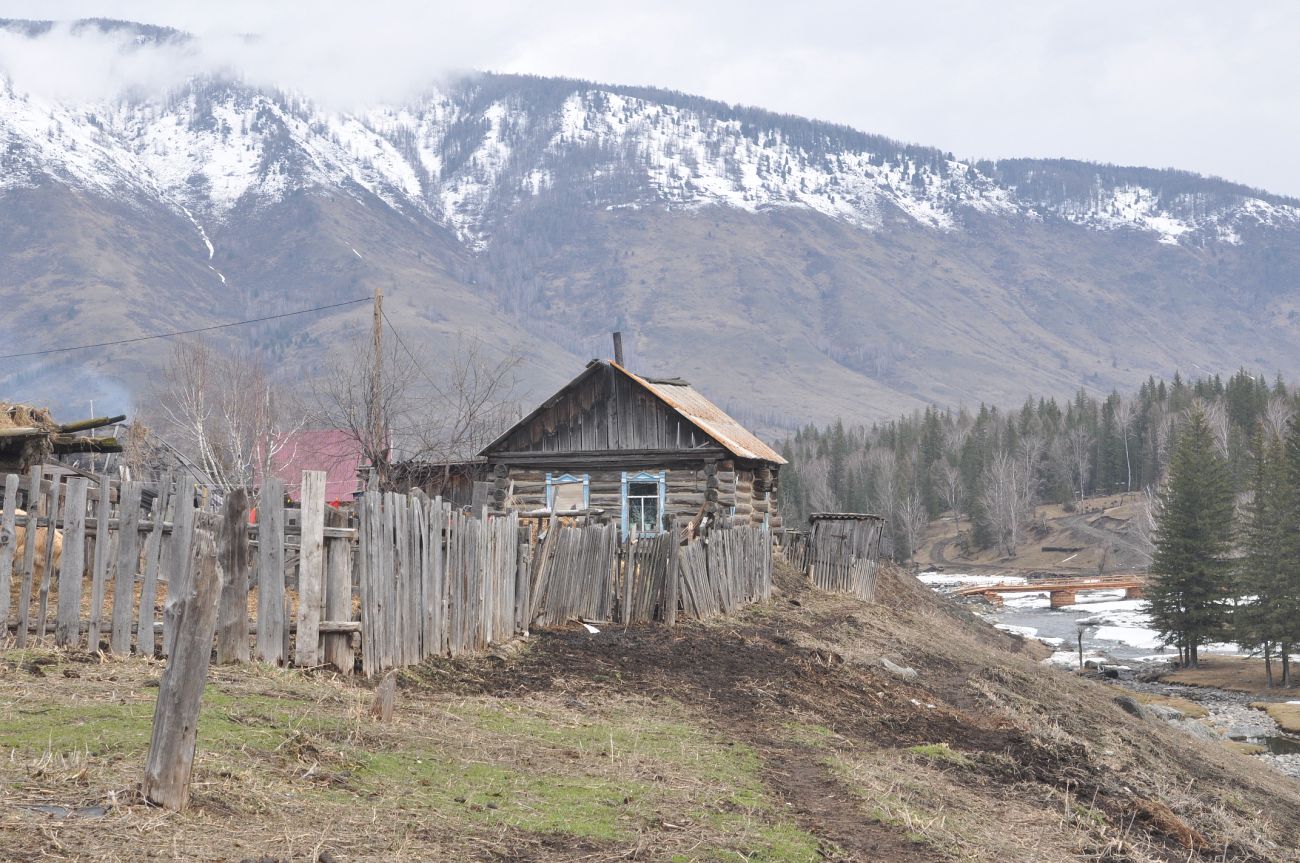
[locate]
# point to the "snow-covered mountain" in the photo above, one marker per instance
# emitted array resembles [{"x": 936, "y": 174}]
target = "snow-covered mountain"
[
  {"x": 468, "y": 155},
  {"x": 864, "y": 274}
]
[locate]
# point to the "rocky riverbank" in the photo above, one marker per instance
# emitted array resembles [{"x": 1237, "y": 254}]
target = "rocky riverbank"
[{"x": 1228, "y": 717}]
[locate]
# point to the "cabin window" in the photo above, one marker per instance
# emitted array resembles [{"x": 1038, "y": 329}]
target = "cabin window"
[
  {"x": 567, "y": 492},
  {"x": 643, "y": 502}
]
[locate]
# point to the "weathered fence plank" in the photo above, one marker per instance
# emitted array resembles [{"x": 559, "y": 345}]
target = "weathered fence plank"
[
  {"x": 34, "y": 495},
  {"x": 338, "y": 596},
  {"x": 311, "y": 569},
  {"x": 67, "y": 629},
  {"x": 232, "y": 608},
  {"x": 180, "y": 691},
  {"x": 128, "y": 558},
  {"x": 271, "y": 629},
  {"x": 8, "y": 538},
  {"x": 47, "y": 571},
  {"x": 146, "y": 638},
  {"x": 179, "y": 564},
  {"x": 99, "y": 569}
]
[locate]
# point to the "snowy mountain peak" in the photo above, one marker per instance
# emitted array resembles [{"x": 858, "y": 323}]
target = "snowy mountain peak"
[{"x": 468, "y": 155}]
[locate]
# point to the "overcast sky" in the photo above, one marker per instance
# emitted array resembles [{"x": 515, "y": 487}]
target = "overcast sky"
[{"x": 1206, "y": 86}]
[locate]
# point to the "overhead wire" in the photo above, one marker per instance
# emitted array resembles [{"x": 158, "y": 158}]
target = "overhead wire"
[{"x": 186, "y": 332}]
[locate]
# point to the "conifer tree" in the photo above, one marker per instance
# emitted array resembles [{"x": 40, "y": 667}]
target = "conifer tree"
[
  {"x": 1188, "y": 599},
  {"x": 1258, "y": 620}
]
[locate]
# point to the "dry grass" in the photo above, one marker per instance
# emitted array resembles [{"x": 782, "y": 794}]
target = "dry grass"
[
  {"x": 1287, "y": 716},
  {"x": 1189, "y": 708},
  {"x": 1237, "y": 673}
]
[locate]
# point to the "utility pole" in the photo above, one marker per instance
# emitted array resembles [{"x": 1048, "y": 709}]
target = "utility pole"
[{"x": 378, "y": 456}]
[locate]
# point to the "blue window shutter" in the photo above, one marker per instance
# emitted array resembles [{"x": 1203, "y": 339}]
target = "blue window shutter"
[{"x": 623, "y": 495}]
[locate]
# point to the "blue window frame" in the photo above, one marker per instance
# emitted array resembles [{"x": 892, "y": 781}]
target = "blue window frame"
[
  {"x": 565, "y": 486},
  {"x": 644, "y": 498}
]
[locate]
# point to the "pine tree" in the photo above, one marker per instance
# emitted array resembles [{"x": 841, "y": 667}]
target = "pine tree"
[
  {"x": 1188, "y": 599},
  {"x": 1260, "y": 575},
  {"x": 1287, "y": 602}
]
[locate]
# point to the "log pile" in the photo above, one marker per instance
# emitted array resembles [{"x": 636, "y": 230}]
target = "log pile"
[{"x": 30, "y": 435}]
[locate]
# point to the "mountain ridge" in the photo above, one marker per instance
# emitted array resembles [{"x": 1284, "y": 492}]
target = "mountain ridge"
[{"x": 851, "y": 274}]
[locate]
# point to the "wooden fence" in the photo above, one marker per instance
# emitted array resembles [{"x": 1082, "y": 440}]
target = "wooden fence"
[{"x": 406, "y": 576}]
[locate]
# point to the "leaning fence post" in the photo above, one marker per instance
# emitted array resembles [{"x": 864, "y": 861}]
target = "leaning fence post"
[
  {"x": 180, "y": 692},
  {"x": 232, "y": 615},
  {"x": 338, "y": 595}
]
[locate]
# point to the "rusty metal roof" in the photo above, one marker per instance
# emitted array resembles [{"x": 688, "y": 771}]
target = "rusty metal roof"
[{"x": 713, "y": 420}]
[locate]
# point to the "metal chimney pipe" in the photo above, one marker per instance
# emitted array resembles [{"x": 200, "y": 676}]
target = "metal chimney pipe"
[{"x": 618, "y": 348}]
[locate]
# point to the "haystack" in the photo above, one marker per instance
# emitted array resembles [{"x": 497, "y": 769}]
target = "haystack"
[{"x": 26, "y": 436}]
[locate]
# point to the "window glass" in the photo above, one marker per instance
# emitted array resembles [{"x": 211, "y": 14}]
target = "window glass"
[
  {"x": 568, "y": 496},
  {"x": 643, "y": 506}
]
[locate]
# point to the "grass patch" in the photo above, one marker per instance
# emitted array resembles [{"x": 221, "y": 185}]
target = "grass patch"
[
  {"x": 941, "y": 753},
  {"x": 1287, "y": 716},
  {"x": 1190, "y": 709}
]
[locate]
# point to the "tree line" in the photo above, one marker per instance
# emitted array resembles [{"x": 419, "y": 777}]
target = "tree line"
[{"x": 989, "y": 467}]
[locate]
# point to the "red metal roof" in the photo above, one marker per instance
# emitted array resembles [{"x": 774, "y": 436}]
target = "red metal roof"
[{"x": 331, "y": 450}]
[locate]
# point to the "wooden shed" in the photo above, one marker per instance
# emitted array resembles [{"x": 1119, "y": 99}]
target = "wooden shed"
[
  {"x": 843, "y": 550},
  {"x": 643, "y": 451}
]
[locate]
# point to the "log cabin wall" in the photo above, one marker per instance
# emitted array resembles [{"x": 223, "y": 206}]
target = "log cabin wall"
[{"x": 524, "y": 487}]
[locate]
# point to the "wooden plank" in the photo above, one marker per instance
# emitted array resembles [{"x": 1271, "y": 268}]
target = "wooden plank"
[
  {"x": 99, "y": 569},
  {"x": 179, "y": 559},
  {"x": 338, "y": 598},
  {"x": 34, "y": 493},
  {"x": 672, "y": 577},
  {"x": 47, "y": 571},
  {"x": 180, "y": 690},
  {"x": 232, "y": 607},
  {"x": 311, "y": 569},
  {"x": 128, "y": 558},
  {"x": 67, "y": 630},
  {"x": 146, "y": 638},
  {"x": 367, "y": 581},
  {"x": 8, "y": 538},
  {"x": 271, "y": 628}
]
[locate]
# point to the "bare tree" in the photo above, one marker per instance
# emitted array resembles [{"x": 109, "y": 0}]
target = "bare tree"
[
  {"x": 222, "y": 410},
  {"x": 434, "y": 412},
  {"x": 1005, "y": 499},
  {"x": 1277, "y": 413},
  {"x": 1216, "y": 417},
  {"x": 1125, "y": 414},
  {"x": 912, "y": 519},
  {"x": 1078, "y": 455},
  {"x": 954, "y": 490}
]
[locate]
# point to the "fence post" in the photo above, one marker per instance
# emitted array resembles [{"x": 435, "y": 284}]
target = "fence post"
[
  {"x": 99, "y": 570},
  {"x": 672, "y": 577},
  {"x": 8, "y": 537},
  {"x": 47, "y": 571},
  {"x": 338, "y": 595},
  {"x": 179, "y": 559},
  {"x": 146, "y": 639},
  {"x": 310, "y": 568},
  {"x": 271, "y": 629},
  {"x": 180, "y": 692},
  {"x": 67, "y": 630},
  {"x": 128, "y": 558},
  {"x": 29, "y": 555},
  {"x": 232, "y": 611}
]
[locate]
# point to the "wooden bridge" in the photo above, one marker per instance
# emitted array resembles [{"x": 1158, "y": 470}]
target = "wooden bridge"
[{"x": 1061, "y": 591}]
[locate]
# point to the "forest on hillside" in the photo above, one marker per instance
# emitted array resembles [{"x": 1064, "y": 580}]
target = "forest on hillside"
[{"x": 992, "y": 466}]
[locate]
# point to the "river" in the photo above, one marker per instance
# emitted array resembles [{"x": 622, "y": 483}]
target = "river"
[{"x": 1117, "y": 632}]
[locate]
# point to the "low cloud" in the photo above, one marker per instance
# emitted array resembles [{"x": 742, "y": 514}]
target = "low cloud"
[{"x": 1194, "y": 84}]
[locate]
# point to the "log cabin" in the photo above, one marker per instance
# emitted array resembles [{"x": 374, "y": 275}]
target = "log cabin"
[{"x": 644, "y": 451}]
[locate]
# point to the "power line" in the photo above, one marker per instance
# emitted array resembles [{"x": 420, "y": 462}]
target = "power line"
[
  {"x": 418, "y": 365},
  {"x": 185, "y": 332}
]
